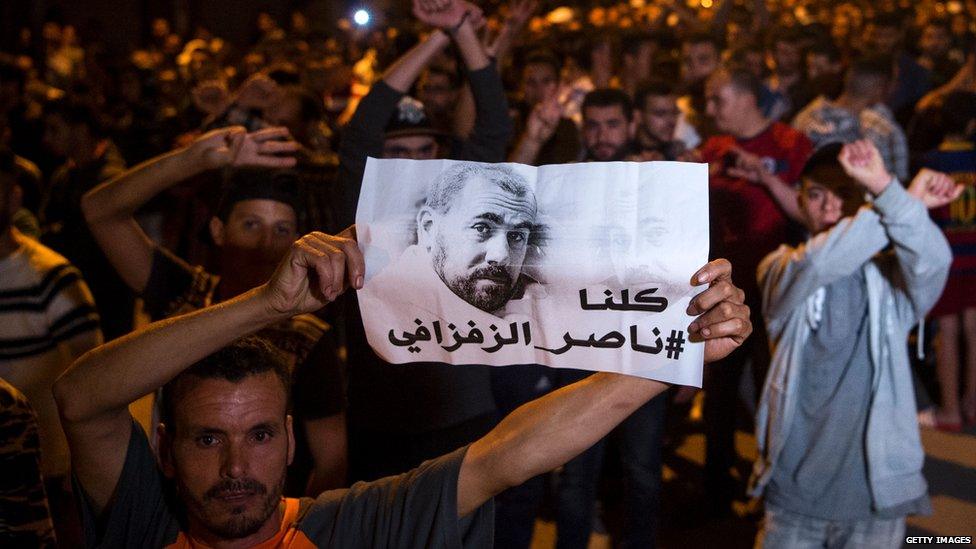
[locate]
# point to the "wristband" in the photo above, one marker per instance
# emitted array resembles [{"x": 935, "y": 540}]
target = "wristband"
[{"x": 457, "y": 27}]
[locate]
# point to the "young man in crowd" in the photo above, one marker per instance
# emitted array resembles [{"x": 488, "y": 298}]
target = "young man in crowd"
[
  {"x": 227, "y": 436},
  {"x": 788, "y": 81},
  {"x": 74, "y": 132},
  {"x": 701, "y": 55},
  {"x": 47, "y": 319},
  {"x": 255, "y": 223},
  {"x": 886, "y": 38},
  {"x": 859, "y": 112},
  {"x": 609, "y": 126},
  {"x": 658, "y": 114},
  {"x": 955, "y": 312},
  {"x": 546, "y": 137},
  {"x": 753, "y": 165},
  {"x": 840, "y": 454},
  {"x": 401, "y": 415}
]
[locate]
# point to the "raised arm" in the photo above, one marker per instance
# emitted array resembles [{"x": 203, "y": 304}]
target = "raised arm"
[
  {"x": 94, "y": 394},
  {"x": 548, "y": 432},
  {"x": 110, "y": 208},
  {"x": 920, "y": 247}
]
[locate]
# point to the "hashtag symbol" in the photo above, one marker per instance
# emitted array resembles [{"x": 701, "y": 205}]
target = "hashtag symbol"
[{"x": 676, "y": 342}]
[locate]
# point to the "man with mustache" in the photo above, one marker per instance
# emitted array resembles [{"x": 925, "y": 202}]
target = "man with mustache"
[
  {"x": 255, "y": 222},
  {"x": 227, "y": 436},
  {"x": 476, "y": 226}
]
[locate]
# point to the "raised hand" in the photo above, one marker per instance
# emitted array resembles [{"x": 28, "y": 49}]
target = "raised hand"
[
  {"x": 270, "y": 147},
  {"x": 258, "y": 92},
  {"x": 444, "y": 14},
  {"x": 211, "y": 96},
  {"x": 233, "y": 146},
  {"x": 934, "y": 189},
  {"x": 723, "y": 317},
  {"x": 862, "y": 161},
  {"x": 317, "y": 268},
  {"x": 544, "y": 119}
]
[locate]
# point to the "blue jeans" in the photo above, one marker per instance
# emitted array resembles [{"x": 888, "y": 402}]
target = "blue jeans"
[
  {"x": 787, "y": 530},
  {"x": 638, "y": 439}
]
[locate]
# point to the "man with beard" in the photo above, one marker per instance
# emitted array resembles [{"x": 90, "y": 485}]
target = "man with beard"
[
  {"x": 608, "y": 125},
  {"x": 228, "y": 436},
  {"x": 255, "y": 223},
  {"x": 473, "y": 234}
]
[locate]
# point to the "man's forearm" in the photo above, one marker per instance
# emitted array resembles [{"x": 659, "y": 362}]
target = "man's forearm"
[
  {"x": 548, "y": 432},
  {"x": 108, "y": 378},
  {"x": 122, "y": 196},
  {"x": 785, "y": 197},
  {"x": 472, "y": 51},
  {"x": 405, "y": 71}
]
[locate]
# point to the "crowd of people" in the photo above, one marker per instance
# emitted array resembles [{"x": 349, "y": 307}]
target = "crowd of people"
[{"x": 152, "y": 213}]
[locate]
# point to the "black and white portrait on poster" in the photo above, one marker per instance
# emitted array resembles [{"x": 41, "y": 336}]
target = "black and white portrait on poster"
[{"x": 582, "y": 266}]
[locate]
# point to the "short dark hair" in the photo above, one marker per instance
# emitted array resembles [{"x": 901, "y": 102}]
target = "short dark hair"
[
  {"x": 824, "y": 169},
  {"x": 608, "y": 97},
  {"x": 744, "y": 80},
  {"x": 246, "y": 357},
  {"x": 787, "y": 35},
  {"x": 77, "y": 112},
  {"x": 653, "y": 88},
  {"x": 280, "y": 185},
  {"x": 940, "y": 22},
  {"x": 827, "y": 49},
  {"x": 631, "y": 41},
  {"x": 705, "y": 38},
  {"x": 888, "y": 19},
  {"x": 863, "y": 74},
  {"x": 543, "y": 57}
]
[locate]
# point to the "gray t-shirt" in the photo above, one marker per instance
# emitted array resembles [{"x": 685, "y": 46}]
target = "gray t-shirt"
[{"x": 417, "y": 509}]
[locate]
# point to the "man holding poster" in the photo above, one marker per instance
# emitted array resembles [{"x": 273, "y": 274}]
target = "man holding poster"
[
  {"x": 228, "y": 438},
  {"x": 582, "y": 266},
  {"x": 561, "y": 265}
]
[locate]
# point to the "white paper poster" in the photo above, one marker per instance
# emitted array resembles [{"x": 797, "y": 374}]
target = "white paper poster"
[{"x": 583, "y": 266}]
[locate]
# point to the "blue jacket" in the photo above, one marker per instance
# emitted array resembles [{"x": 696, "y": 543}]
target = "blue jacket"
[{"x": 903, "y": 282}]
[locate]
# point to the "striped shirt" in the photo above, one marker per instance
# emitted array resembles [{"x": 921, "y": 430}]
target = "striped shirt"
[{"x": 47, "y": 318}]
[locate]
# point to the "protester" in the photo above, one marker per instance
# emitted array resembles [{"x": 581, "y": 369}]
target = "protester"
[
  {"x": 858, "y": 113},
  {"x": 436, "y": 80},
  {"x": 227, "y": 438},
  {"x": 955, "y": 312},
  {"x": 47, "y": 319},
  {"x": 838, "y": 462},
  {"x": 401, "y": 415},
  {"x": 255, "y": 223},
  {"x": 753, "y": 166}
]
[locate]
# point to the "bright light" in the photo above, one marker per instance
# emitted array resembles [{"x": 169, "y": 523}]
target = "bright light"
[
  {"x": 361, "y": 17},
  {"x": 706, "y": 3}
]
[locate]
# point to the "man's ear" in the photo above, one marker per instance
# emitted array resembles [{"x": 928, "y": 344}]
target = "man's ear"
[
  {"x": 970, "y": 129},
  {"x": 425, "y": 227},
  {"x": 289, "y": 425},
  {"x": 217, "y": 230},
  {"x": 632, "y": 126},
  {"x": 164, "y": 451}
]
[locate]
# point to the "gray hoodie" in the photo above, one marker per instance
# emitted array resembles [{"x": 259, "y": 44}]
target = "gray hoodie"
[{"x": 903, "y": 282}]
